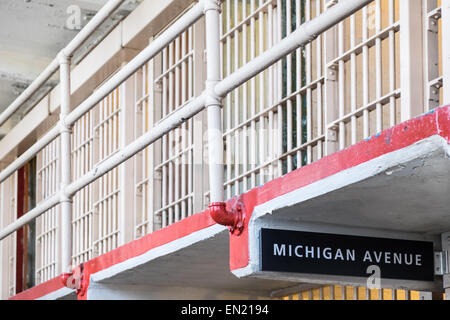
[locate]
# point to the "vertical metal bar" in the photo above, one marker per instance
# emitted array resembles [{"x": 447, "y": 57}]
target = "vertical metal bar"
[
  {"x": 331, "y": 92},
  {"x": 253, "y": 100},
  {"x": 298, "y": 97},
  {"x": 271, "y": 88},
  {"x": 392, "y": 65},
  {"x": 165, "y": 137},
  {"x": 262, "y": 93},
  {"x": 195, "y": 137},
  {"x": 342, "y": 84},
  {"x": 279, "y": 137},
  {"x": 309, "y": 125},
  {"x": 65, "y": 163},
  {"x": 213, "y": 103},
  {"x": 184, "y": 83},
  {"x": 171, "y": 135},
  {"x": 319, "y": 59},
  {"x": 289, "y": 69},
  {"x": 411, "y": 77},
  {"x": 228, "y": 106},
  {"x": 378, "y": 67},
  {"x": 353, "y": 79},
  {"x": 126, "y": 169}
]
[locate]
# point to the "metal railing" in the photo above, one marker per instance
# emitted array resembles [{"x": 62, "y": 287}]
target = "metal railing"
[{"x": 301, "y": 80}]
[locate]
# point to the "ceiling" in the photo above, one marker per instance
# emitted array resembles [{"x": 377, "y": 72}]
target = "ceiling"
[{"x": 32, "y": 32}]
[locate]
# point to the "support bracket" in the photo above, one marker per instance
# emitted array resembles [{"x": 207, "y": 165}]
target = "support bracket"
[{"x": 441, "y": 263}]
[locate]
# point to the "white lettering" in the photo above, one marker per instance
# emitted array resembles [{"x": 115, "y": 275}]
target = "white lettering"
[
  {"x": 279, "y": 251},
  {"x": 397, "y": 258},
  {"x": 410, "y": 259},
  {"x": 367, "y": 256},
  {"x": 377, "y": 258},
  {"x": 387, "y": 257},
  {"x": 418, "y": 259},
  {"x": 327, "y": 253},
  {"x": 296, "y": 251},
  {"x": 351, "y": 254},
  {"x": 309, "y": 251},
  {"x": 338, "y": 255}
]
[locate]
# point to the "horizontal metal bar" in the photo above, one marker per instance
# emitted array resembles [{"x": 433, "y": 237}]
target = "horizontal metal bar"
[
  {"x": 370, "y": 42},
  {"x": 371, "y": 106}
]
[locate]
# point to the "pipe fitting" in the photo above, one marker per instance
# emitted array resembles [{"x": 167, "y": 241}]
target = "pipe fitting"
[
  {"x": 211, "y": 97},
  {"x": 63, "y": 195},
  {"x": 63, "y": 58},
  {"x": 212, "y": 5},
  {"x": 233, "y": 219},
  {"x": 64, "y": 127},
  {"x": 75, "y": 280}
]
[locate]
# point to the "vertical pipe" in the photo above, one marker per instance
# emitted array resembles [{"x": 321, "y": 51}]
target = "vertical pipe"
[
  {"x": 213, "y": 103},
  {"x": 65, "y": 161}
]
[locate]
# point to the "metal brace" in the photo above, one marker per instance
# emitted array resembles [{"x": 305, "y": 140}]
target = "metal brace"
[
  {"x": 441, "y": 263},
  {"x": 433, "y": 22}
]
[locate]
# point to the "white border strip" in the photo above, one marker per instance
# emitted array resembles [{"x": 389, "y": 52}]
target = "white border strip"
[
  {"x": 55, "y": 295},
  {"x": 157, "y": 252}
]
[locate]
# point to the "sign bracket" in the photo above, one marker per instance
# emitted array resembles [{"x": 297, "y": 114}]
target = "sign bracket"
[{"x": 441, "y": 263}]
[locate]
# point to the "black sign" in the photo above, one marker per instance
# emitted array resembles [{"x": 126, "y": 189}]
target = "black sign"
[{"x": 343, "y": 255}]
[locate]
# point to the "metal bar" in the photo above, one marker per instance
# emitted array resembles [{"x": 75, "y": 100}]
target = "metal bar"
[
  {"x": 213, "y": 103},
  {"x": 65, "y": 164}
]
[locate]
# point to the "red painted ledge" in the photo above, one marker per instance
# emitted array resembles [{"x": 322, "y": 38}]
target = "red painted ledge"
[{"x": 40, "y": 290}]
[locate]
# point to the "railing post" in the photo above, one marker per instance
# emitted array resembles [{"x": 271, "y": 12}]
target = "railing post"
[
  {"x": 65, "y": 161},
  {"x": 445, "y": 27},
  {"x": 213, "y": 103},
  {"x": 411, "y": 62}
]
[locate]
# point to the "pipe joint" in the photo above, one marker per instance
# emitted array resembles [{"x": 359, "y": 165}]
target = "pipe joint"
[
  {"x": 211, "y": 97},
  {"x": 75, "y": 280},
  {"x": 64, "y": 196},
  {"x": 233, "y": 219},
  {"x": 63, "y": 58},
  {"x": 64, "y": 127},
  {"x": 212, "y": 5}
]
